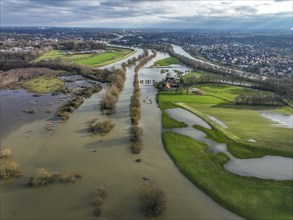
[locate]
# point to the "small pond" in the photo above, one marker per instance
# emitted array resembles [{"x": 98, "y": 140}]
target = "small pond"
[{"x": 268, "y": 167}]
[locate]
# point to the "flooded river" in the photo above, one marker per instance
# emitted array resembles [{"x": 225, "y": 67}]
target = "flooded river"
[{"x": 103, "y": 161}]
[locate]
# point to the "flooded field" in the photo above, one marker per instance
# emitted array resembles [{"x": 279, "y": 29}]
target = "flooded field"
[
  {"x": 103, "y": 161},
  {"x": 268, "y": 167},
  {"x": 280, "y": 120}
]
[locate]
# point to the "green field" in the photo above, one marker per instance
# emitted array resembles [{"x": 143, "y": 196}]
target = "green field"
[
  {"x": 43, "y": 84},
  {"x": 101, "y": 59},
  {"x": 251, "y": 198},
  {"x": 245, "y": 123},
  {"x": 166, "y": 62},
  {"x": 169, "y": 122}
]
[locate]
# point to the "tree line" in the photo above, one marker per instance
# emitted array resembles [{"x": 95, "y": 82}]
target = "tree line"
[{"x": 267, "y": 99}]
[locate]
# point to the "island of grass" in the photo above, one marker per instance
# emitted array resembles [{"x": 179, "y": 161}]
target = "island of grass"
[
  {"x": 111, "y": 55},
  {"x": 43, "y": 84},
  {"x": 250, "y": 197},
  {"x": 166, "y": 62}
]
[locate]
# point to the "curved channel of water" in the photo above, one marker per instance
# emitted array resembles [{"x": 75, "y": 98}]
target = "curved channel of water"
[
  {"x": 103, "y": 160},
  {"x": 268, "y": 167}
]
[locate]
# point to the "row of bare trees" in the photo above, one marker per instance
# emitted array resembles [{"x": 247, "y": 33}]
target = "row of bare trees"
[
  {"x": 18, "y": 60},
  {"x": 145, "y": 59},
  {"x": 135, "y": 131},
  {"x": 111, "y": 96},
  {"x": 268, "y": 99}
]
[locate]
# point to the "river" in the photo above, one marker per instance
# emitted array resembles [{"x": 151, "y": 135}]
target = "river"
[{"x": 103, "y": 160}]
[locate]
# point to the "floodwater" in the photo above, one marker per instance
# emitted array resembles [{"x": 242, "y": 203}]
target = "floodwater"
[
  {"x": 268, "y": 167},
  {"x": 280, "y": 168},
  {"x": 181, "y": 51},
  {"x": 280, "y": 119},
  {"x": 14, "y": 103},
  {"x": 218, "y": 121},
  {"x": 103, "y": 160}
]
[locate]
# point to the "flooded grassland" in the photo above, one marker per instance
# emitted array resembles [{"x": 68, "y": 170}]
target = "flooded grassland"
[{"x": 102, "y": 160}]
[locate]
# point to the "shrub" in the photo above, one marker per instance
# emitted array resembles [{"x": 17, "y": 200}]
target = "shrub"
[
  {"x": 134, "y": 102},
  {"x": 9, "y": 169},
  {"x": 43, "y": 176},
  {"x": 101, "y": 127},
  {"x": 113, "y": 90},
  {"x": 135, "y": 148},
  {"x": 153, "y": 200},
  {"x": 135, "y": 133},
  {"x": 5, "y": 152},
  {"x": 100, "y": 194}
]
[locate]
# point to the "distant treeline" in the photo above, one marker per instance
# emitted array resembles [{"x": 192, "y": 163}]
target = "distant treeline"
[
  {"x": 269, "y": 99},
  {"x": 79, "y": 45},
  {"x": 10, "y": 60},
  {"x": 16, "y": 75}
]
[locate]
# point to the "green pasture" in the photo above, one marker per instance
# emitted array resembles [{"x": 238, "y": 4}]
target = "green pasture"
[
  {"x": 100, "y": 59},
  {"x": 251, "y": 198},
  {"x": 166, "y": 62}
]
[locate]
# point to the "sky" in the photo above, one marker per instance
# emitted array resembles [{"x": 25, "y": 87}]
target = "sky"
[{"x": 207, "y": 14}]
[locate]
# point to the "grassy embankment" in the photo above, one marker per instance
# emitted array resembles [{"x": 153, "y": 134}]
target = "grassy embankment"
[
  {"x": 251, "y": 198},
  {"x": 166, "y": 62},
  {"x": 43, "y": 84},
  {"x": 102, "y": 59}
]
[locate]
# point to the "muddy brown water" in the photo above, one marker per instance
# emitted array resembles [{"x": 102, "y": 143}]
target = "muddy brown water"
[{"x": 103, "y": 161}]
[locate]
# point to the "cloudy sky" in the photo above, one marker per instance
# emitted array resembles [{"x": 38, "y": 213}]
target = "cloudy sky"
[{"x": 211, "y": 14}]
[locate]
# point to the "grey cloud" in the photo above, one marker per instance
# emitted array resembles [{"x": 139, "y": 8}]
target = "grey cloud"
[
  {"x": 245, "y": 8},
  {"x": 84, "y": 12}
]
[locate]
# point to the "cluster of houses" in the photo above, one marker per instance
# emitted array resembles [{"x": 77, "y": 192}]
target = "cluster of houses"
[{"x": 17, "y": 50}]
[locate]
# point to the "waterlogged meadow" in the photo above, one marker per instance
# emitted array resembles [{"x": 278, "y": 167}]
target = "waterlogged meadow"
[{"x": 208, "y": 153}]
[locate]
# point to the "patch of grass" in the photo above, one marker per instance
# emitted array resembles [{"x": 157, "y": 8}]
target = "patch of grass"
[
  {"x": 105, "y": 58},
  {"x": 166, "y": 62},
  {"x": 101, "y": 59},
  {"x": 43, "y": 84},
  {"x": 167, "y": 99},
  {"x": 53, "y": 54},
  {"x": 169, "y": 122},
  {"x": 196, "y": 74},
  {"x": 226, "y": 92},
  {"x": 244, "y": 124},
  {"x": 251, "y": 198}
]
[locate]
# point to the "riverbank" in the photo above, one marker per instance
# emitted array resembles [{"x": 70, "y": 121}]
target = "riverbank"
[{"x": 251, "y": 198}]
